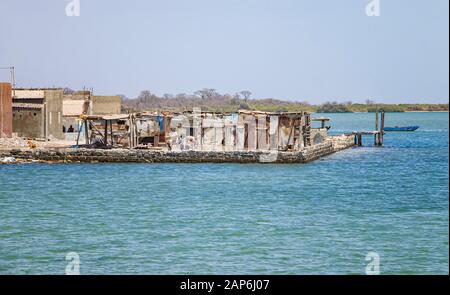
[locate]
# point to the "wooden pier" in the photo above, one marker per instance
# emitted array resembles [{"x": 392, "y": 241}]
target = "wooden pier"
[{"x": 378, "y": 133}]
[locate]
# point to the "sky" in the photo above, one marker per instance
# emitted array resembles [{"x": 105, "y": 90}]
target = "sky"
[{"x": 303, "y": 50}]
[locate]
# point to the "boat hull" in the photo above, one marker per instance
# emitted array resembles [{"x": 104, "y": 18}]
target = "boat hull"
[{"x": 407, "y": 128}]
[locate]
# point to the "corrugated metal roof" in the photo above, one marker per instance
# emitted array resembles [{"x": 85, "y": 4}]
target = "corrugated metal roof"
[
  {"x": 272, "y": 113},
  {"x": 105, "y": 117},
  {"x": 40, "y": 88}
]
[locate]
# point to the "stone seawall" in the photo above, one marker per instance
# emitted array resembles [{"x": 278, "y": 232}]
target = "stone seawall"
[{"x": 71, "y": 155}]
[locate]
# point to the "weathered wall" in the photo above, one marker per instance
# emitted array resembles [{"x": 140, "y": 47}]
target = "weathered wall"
[
  {"x": 5, "y": 110},
  {"x": 73, "y": 107},
  {"x": 28, "y": 122},
  {"x": 29, "y": 113},
  {"x": 37, "y": 113},
  {"x": 29, "y": 93},
  {"x": 76, "y": 103},
  {"x": 341, "y": 142},
  {"x": 318, "y": 135},
  {"x": 54, "y": 109},
  {"x": 106, "y": 105}
]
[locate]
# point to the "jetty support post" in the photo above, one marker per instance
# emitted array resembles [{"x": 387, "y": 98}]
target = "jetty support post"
[
  {"x": 86, "y": 132},
  {"x": 79, "y": 131},
  {"x": 376, "y": 135},
  {"x": 136, "y": 134},
  {"x": 130, "y": 133},
  {"x": 111, "y": 131},
  {"x": 382, "y": 128},
  {"x": 106, "y": 132}
]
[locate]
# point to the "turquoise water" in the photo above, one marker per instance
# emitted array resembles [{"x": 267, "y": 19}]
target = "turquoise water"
[{"x": 322, "y": 217}]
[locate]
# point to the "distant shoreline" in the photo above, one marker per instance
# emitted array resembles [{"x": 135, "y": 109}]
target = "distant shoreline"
[
  {"x": 386, "y": 112},
  {"x": 425, "y": 111}
]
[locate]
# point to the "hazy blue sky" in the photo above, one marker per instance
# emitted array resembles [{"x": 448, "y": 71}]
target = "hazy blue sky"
[{"x": 315, "y": 50}]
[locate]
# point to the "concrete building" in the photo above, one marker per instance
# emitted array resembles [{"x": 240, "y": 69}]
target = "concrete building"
[
  {"x": 5, "y": 110},
  {"x": 85, "y": 103},
  {"x": 37, "y": 113},
  {"x": 105, "y": 105},
  {"x": 74, "y": 105}
]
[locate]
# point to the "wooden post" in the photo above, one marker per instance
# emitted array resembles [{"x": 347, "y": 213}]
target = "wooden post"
[
  {"x": 376, "y": 120},
  {"x": 135, "y": 133},
  {"x": 359, "y": 139},
  {"x": 111, "y": 129},
  {"x": 106, "y": 132},
  {"x": 382, "y": 129},
  {"x": 86, "y": 132},
  {"x": 131, "y": 132},
  {"x": 78, "y": 135},
  {"x": 376, "y": 128},
  {"x": 290, "y": 134}
]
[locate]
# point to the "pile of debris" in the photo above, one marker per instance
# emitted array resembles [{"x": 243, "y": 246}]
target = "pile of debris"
[{"x": 8, "y": 160}]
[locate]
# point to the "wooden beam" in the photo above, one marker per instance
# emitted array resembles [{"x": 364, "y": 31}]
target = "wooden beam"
[
  {"x": 86, "y": 132},
  {"x": 131, "y": 141},
  {"x": 111, "y": 129},
  {"x": 106, "y": 132},
  {"x": 382, "y": 128},
  {"x": 93, "y": 128},
  {"x": 376, "y": 120},
  {"x": 79, "y": 131}
]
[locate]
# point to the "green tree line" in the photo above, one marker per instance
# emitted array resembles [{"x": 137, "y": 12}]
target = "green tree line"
[{"x": 209, "y": 99}]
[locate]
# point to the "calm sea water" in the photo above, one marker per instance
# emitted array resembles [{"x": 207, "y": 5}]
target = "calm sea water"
[{"x": 322, "y": 217}]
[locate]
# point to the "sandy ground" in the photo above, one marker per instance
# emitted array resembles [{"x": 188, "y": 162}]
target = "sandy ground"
[{"x": 23, "y": 143}]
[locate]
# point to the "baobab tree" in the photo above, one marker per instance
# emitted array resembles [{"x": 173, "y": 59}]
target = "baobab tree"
[
  {"x": 246, "y": 94},
  {"x": 206, "y": 93}
]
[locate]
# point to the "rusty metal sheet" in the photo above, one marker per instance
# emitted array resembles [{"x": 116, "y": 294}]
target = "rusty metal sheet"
[{"x": 5, "y": 110}]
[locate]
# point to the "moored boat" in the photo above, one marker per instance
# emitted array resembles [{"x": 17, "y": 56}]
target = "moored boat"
[{"x": 398, "y": 128}]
